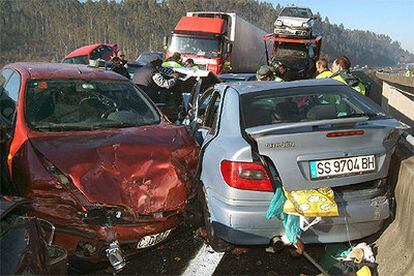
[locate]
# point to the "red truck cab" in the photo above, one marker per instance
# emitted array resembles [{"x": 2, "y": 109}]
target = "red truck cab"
[
  {"x": 83, "y": 54},
  {"x": 201, "y": 39}
]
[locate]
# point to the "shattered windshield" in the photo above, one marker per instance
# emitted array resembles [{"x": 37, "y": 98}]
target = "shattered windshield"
[
  {"x": 60, "y": 105},
  {"x": 292, "y": 51},
  {"x": 195, "y": 45}
]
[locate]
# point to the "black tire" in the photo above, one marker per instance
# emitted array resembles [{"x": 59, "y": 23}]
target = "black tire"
[{"x": 217, "y": 243}]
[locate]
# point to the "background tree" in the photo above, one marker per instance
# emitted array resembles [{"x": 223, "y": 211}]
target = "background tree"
[{"x": 47, "y": 30}]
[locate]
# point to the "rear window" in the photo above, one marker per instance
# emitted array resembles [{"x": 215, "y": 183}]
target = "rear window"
[
  {"x": 305, "y": 104},
  {"x": 59, "y": 105}
]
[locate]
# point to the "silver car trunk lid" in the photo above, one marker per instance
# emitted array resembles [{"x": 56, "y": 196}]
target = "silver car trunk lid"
[{"x": 291, "y": 150}]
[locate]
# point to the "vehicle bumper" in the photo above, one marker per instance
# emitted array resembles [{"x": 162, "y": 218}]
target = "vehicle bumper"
[
  {"x": 287, "y": 31},
  {"x": 247, "y": 225},
  {"x": 99, "y": 238}
]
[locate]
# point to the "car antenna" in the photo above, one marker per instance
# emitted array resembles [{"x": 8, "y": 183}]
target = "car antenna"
[{"x": 79, "y": 71}]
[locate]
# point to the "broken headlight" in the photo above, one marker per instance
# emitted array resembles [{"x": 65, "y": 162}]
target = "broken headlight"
[{"x": 278, "y": 23}]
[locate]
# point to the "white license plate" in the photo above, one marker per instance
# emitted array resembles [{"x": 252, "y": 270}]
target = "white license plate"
[
  {"x": 151, "y": 240},
  {"x": 342, "y": 166}
]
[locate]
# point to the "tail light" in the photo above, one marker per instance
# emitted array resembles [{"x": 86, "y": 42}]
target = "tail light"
[
  {"x": 345, "y": 133},
  {"x": 246, "y": 176}
]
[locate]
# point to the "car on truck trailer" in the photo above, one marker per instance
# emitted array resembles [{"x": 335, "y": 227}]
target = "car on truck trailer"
[{"x": 218, "y": 42}]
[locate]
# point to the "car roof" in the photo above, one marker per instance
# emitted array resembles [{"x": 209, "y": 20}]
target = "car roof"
[
  {"x": 258, "y": 86},
  {"x": 86, "y": 50},
  {"x": 45, "y": 70}
]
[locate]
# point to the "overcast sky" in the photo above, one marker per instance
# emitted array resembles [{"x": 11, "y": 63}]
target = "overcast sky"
[{"x": 391, "y": 17}]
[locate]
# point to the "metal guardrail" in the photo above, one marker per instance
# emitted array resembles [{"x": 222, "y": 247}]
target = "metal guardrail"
[{"x": 397, "y": 79}]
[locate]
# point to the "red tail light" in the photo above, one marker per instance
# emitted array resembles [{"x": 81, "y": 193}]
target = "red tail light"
[
  {"x": 345, "y": 133},
  {"x": 246, "y": 176}
]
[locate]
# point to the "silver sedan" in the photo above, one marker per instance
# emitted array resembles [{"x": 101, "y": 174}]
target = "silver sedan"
[{"x": 301, "y": 135}]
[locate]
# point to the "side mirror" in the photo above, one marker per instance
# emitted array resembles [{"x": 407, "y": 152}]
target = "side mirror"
[
  {"x": 229, "y": 48},
  {"x": 165, "y": 42}
]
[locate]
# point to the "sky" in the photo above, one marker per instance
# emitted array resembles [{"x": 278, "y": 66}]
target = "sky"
[{"x": 394, "y": 18}]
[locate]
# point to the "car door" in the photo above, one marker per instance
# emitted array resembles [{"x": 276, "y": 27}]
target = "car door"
[
  {"x": 9, "y": 90},
  {"x": 209, "y": 119}
]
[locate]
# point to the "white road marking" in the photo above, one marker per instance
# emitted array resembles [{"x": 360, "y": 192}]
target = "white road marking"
[{"x": 204, "y": 263}]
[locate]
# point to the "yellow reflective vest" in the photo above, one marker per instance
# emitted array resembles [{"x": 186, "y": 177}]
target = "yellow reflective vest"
[
  {"x": 359, "y": 86},
  {"x": 171, "y": 64},
  {"x": 324, "y": 74}
]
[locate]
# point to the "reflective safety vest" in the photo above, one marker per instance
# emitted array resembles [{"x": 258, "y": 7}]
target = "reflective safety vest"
[
  {"x": 171, "y": 63},
  {"x": 324, "y": 74},
  {"x": 277, "y": 79},
  {"x": 350, "y": 80}
]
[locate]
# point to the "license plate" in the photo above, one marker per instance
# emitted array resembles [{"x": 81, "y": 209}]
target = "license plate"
[
  {"x": 342, "y": 166},
  {"x": 151, "y": 240}
]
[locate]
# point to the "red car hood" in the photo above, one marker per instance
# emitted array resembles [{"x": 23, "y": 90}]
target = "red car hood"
[{"x": 146, "y": 169}]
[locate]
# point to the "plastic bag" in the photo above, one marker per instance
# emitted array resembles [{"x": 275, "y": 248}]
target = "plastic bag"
[{"x": 311, "y": 203}]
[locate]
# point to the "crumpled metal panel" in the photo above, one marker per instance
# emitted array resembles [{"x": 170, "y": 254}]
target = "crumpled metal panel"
[
  {"x": 147, "y": 169},
  {"x": 143, "y": 170}
]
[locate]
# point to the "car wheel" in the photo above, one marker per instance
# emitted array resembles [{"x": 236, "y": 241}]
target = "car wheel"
[{"x": 217, "y": 243}]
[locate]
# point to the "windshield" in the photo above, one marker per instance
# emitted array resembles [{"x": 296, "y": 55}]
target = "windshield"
[
  {"x": 292, "y": 51},
  {"x": 296, "y": 12},
  {"x": 145, "y": 57},
  {"x": 195, "y": 45},
  {"x": 303, "y": 104},
  {"x": 77, "y": 60},
  {"x": 60, "y": 105}
]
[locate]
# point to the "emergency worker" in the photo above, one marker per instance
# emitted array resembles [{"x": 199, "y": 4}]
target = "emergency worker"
[
  {"x": 190, "y": 64},
  {"x": 265, "y": 73},
  {"x": 340, "y": 70},
  {"x": 322, "y": 69},
  {"x": 149, "y": 78},
  {"x": 118, "y": 66},
  {"x": 282, "y": 72},
  {"x": 173, "y": 61}
]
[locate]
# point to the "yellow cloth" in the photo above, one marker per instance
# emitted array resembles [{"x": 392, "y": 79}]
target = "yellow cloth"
[
  {"x": 311, "y": 203},
  {"x": 323, "y": 75},
  {"x": 364, "y": 271}
]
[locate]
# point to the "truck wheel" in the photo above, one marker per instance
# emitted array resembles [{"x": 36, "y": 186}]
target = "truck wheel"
[{"x": 218, "y": 244}]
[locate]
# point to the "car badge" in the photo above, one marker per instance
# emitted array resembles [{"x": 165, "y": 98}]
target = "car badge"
[{"x": 281, "y": 145}]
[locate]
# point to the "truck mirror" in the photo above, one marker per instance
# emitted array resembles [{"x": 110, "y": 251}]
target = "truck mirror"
[
  {"x": 165, "y": 41},
  {"x": 229, "y": 48}
]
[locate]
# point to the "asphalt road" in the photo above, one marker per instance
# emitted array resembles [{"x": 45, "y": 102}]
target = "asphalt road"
[{"x": 187, "y": 254}]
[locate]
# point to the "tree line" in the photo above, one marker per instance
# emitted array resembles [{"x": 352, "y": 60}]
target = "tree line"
[{"x": 44, "y": 30}]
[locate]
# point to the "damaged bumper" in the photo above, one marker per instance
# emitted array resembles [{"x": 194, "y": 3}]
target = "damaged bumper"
[
  {"x": 92, "y": 242},
  {"x": 362, "y": 213},
  {"x": 287, "y": 31}
]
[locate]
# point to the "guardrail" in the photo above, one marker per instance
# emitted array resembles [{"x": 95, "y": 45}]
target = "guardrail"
[{"x": 397, "y": 79}]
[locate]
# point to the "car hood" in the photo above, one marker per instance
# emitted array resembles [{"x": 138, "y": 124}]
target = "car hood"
[{"x": 146, "y": 169}]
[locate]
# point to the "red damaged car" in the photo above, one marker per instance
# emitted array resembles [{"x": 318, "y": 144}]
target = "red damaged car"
[
  {"x": 96, "y": 157},
  {"x": 86, "y": 53}
]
